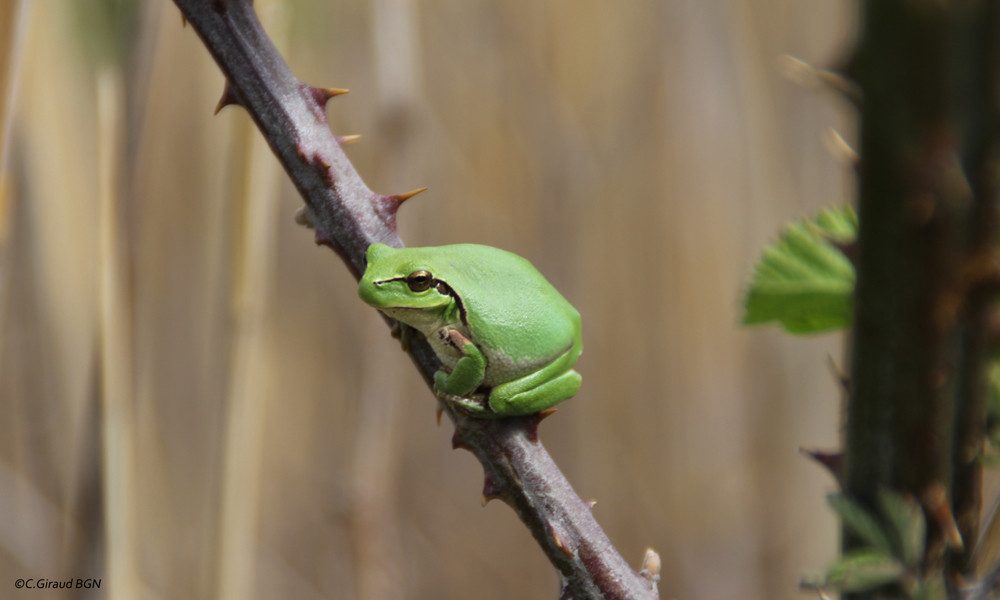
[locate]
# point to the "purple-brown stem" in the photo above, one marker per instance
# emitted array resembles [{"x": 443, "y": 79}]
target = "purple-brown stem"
[{"x": 348, "y": 217}]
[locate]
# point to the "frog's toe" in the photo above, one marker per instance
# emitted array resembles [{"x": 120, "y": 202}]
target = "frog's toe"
[{"x": 475, "y": 406}]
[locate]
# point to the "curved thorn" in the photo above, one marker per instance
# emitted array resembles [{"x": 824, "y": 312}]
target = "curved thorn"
[
  {"x": 323, "y": 95},
  {"x": 458, "y": 442},
  {"x": 563, "y": 547},
  {"x": 345, "y": 140},
  {"x": 832, "y": 461},
  {"x": 401, "y": 198},
  {"x": 532, "y": 421},
  {"x": 334, "y": 92},
  {"x": 491, "y": 490},
  {"x": 228, "y": 98}
]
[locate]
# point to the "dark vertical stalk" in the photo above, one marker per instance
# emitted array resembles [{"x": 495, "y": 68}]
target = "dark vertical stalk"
[
  {"x": 978, "y": 84},
  {"x": 927, "y": 207}
]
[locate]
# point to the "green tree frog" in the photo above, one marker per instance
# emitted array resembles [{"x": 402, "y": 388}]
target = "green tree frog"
[{"x": 507, "y": 340}]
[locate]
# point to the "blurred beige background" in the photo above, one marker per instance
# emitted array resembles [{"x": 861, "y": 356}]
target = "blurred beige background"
[{"x": 194, "y": 403}]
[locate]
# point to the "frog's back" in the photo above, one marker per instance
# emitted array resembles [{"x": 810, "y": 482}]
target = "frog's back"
[{"x": 508, "y": 302}]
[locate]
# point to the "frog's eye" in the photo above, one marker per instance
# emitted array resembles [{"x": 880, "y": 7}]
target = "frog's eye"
[{"x": 419, "y": 281}]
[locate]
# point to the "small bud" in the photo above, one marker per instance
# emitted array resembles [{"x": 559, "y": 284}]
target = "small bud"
[
  {"x": 304, "y": 217},
  {"x": 651, "y": 566}
]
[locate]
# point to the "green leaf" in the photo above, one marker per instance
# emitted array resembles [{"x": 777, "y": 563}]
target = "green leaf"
[
  {"x": 863, "y": 570},
  {"x": 838, "y": 223},
  {"x": 908, "y": 529},
  {"x": 860, "y": 522},
  {"x": 803, "y": 281},
  {"x": 993, "y": 403}
]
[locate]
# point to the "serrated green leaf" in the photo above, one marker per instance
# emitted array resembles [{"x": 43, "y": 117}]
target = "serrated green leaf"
[
  {"x": 993, "y": 403},
  {"x": 863, "y": 570},
  {"x": 838, "y": 223},
  {"x": 907, "y": 527},
  {"x": 803, "y": 281},
  {"x": 860, "y": 522}
]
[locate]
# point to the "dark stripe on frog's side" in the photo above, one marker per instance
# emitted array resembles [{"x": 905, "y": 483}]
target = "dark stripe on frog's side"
[{"x": 442, "y": 288}]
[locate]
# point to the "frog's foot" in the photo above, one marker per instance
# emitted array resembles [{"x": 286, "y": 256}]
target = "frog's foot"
[
  {"x": 304, "y": 216},
  {"x": 474, "y": 405}
]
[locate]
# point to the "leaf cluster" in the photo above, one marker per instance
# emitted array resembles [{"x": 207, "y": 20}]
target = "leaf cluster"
[
  {"x": 893, "y": 544},
  {"x": 804, "y": 281}
]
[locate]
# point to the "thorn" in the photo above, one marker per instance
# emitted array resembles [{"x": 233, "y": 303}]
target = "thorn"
[
  {"x": 304, "y": 217},
  {"x": 322, "y": 167},
  {"x": 387, "y": 206},
  {"x": 532, "y": 422},
  {"x": 838, "y": 373},
  {"x": 651, "y": 567},
  {"x": 491, "y": 490},
  {"x": 559, "y": 542},
  {"x": 439, "y": 412},
  {"x": 323, "y": 95},
  {"x": 334, "y": 92},
  {"x": 321, "y": 239},
  {"x": 810, "y": 77},
  {"x": 401, "y": 198},
  {"x": 228, "y": 98},
  {"x": 833, "y": 461},
  {"x": 591, "y": 503},
  {"x": 184, "y": 21},
  {"x": 457, "y": 441},
  {"x": 840, "y": 149},
  {"x": 346, "y": 140},
  {"x": 320, "y": 96},
  {"x": 935, "y": 499}
]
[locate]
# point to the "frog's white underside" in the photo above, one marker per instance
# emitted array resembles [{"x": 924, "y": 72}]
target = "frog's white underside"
[{"x": 500, "y": 368}]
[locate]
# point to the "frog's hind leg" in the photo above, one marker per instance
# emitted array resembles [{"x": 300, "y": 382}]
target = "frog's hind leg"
[{"x": 537, "y": 391}]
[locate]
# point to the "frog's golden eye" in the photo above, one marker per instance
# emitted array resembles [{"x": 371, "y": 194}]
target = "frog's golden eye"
[{"x": 419, "y": 281}]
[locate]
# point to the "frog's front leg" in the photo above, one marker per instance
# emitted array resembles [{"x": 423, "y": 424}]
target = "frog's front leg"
[{"x": 468, "y": 372}]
